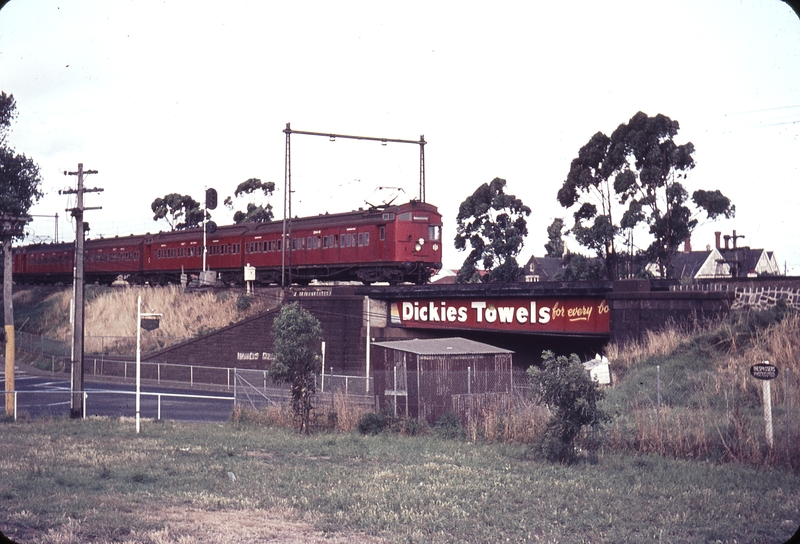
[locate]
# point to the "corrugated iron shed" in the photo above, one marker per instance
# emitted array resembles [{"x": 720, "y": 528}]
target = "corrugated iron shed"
[{"x": 442, "y": 346}]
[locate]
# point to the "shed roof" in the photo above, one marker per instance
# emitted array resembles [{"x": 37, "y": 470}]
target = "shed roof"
[{"x": 442, "y": 346}]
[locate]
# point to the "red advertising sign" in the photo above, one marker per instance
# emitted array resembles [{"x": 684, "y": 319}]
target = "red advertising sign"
[{"x": 544, "y": 315}]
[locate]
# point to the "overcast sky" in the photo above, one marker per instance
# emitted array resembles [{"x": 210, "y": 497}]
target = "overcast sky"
[{"x": 170, "y": 96}]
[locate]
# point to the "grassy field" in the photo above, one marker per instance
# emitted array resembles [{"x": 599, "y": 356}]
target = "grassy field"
[
  {"x": 694, "y": 468},
  {"x": 65, "y": 481}
]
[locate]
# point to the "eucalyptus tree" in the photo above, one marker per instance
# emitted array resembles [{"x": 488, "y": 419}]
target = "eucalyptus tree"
[
  {"x": 19, "y": 190},
  {"x": 493, "y": 224},
  {"x": 179, "y": 211},
  {"x": 555, "y": 246},
  {"x": 255, "y": 213},
  {"x": 634, "y": 176}
]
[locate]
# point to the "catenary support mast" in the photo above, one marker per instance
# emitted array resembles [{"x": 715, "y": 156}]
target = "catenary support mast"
[{"x": 287, "y": 183}]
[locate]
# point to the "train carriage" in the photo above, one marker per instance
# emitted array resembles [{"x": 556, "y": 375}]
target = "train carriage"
[
  {"x": 109, "y": 258},
  {"x": 391, "y": 244},
  {"x": 169, "y": 254},
  {"x": 43, "y": 263}
]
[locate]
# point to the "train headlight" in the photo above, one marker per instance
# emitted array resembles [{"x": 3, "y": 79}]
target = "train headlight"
[
  {"x": 436, "y": 247},
  {"x": 417, "y": 246},
  {"x": 421, "y": 242}
]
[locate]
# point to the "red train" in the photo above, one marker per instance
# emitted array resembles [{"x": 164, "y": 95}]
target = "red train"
[{"x": 393, "y": 244}]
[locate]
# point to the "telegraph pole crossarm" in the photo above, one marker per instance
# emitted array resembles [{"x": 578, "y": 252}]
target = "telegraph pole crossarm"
[{"x": 76, "y": 401}]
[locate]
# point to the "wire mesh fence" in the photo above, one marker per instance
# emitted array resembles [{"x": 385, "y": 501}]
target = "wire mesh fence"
[
  {"x": 704, "y": 414},
  {"x": 688, "y": 411},
  {"x": 256, "y": 390}
]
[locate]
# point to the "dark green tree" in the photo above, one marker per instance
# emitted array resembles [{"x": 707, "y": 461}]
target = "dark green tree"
[
  {"x": 555, "y": 245},
  {"x": 634, "y": 176},
  {"x": 572, "y": 396},
  {"x": 256, "y": 213},
  {"x": 180, "y": 211},
  {"x": 577, "y": 267},
  {"x": 588, "y": 186},
  {"x": 297, "y": 338},
  {"x": 19, "y": 190},
  {"x": 493, "y": 224}
]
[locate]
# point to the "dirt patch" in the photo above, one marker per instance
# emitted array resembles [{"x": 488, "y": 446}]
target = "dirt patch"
[{"x": 189, "y": 525}]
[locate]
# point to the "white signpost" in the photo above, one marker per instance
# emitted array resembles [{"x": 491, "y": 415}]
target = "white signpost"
[
  {"x": 148, "y": 322},
  {"x": 766, "y": 372}
]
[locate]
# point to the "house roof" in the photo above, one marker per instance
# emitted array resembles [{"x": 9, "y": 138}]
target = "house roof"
[
  {"x": 545, "y": 267},
  {"x": 442, "y": 346},
  {"x": 688, "y": 264},
  {"x": 746, "y": 258}
]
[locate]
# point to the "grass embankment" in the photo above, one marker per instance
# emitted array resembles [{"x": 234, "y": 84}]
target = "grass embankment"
[
  {"x": 110, "y": 315},
  {"x": 64, "y": 482},
  {"x": 711, "y": 407}
]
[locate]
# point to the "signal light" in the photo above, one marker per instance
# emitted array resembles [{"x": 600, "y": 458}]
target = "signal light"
[{"x": 211, "y": 198}]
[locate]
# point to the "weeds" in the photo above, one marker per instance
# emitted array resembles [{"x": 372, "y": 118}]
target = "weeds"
[{"x": 112, "y": 331}]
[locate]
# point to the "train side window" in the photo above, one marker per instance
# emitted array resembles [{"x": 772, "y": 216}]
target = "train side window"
[
  {"x": 405, "y": 216},
  {"x": 382, "y": 232}
]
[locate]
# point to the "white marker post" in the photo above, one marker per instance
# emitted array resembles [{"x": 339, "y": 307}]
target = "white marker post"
[
  {"x": 766, "y": 372},
  {"x": 148, "y": 322}
]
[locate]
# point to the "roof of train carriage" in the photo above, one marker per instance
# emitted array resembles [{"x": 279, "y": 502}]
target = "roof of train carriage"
[
  {"x": 368, "y": 215},
  {"x": 197, "y": 232}
]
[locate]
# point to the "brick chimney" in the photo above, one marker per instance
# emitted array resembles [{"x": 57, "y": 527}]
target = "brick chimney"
[
  {"x": 687, "y": 244},
  {"x": 717, "y": 234}
]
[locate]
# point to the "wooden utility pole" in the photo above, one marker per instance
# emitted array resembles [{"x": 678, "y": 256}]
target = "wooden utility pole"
[
  {"x": 76, "y": 399},
  {"x": 10, "y": 226}
]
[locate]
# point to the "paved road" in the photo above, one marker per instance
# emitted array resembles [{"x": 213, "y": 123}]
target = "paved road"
[{"x": 41, "y": 396}]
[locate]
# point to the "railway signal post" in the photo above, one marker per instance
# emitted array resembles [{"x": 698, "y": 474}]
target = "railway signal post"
[{"x": 76, "y": 399}]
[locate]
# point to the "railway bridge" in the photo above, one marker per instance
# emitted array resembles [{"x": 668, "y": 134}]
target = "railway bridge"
[{"x": 527, "y": 318}]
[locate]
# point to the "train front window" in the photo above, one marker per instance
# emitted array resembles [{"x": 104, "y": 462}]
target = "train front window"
[{"x": 434, "y": 232}]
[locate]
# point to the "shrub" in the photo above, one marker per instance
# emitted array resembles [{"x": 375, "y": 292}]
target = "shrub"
[
  {"x": 449, "y": 426},
  {"x": 372, "y": 423},
  {"x": 572, "y": 396},
  {"x": 243, "y": 302}
]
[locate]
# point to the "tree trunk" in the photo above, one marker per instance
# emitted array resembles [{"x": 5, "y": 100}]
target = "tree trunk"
[{"x": 8, "y": 320}]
